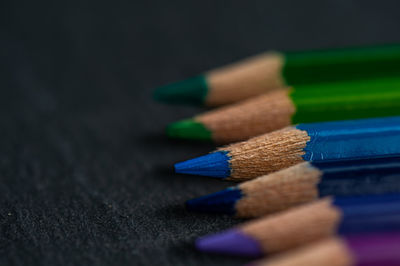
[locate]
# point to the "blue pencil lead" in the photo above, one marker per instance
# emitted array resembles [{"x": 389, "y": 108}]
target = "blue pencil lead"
[
  {"x": 221, "y": 202},
  {"x": 215, "y": 164}
]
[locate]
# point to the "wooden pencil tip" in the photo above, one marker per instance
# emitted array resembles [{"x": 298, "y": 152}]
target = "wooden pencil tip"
[
  {"x": 190, "y": 91},
  {"x": 215, "y": 164},
  {"x": 188, "y": 129},
  {"x": 220, "y": 202},
  {"x": 231, "y": 242}
]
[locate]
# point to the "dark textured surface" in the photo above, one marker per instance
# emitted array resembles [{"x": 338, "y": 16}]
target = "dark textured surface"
[{"x": 84, "y": 166}]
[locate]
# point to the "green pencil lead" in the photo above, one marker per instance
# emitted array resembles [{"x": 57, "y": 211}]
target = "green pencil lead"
[
  {"x": 189, "y": 91},
  {"x": 189, "y": 129}
]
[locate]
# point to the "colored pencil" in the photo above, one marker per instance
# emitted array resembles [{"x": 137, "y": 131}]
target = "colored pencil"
[
  {"x": 310, "y": 222},
  {"x": 351, "y": 139},
  {"x": 300, "y": 104},
  {"x": 376, "y": 249},
  {"x": 272, "y": 70},
  {"x": 303, "y": 183}
]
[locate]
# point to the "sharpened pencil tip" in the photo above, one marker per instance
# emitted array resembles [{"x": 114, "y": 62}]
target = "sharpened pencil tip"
[
  {"x": 215, "y": 164},
  {"x": 188, "y": 129},
  {"x": 190, "y": 91},
  {"x": 231, "y": 242},
  {"x": 220, "y": 202}
]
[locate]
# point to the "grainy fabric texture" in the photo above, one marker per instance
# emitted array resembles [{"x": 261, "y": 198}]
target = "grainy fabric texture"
[{"x": 85, "y": 169}]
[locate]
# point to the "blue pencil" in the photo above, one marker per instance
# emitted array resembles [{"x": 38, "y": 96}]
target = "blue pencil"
[
  {"x": 307, "y": 223},
  {"x": 303, "y": 183},
  {"x": 351, "y": 139}
]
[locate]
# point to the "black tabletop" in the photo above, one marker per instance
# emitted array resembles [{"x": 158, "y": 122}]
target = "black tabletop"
[{"x": 85, "y": 169}]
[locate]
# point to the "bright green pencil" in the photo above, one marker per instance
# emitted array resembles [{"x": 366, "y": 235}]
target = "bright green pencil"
[{"x": 299, "y": 104}]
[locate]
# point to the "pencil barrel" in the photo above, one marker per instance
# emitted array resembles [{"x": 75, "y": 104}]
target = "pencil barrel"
[{"x": 313, "y": 67}]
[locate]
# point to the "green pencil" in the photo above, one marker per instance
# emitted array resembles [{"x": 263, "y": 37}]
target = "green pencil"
[{"x": 272, "y": 70}]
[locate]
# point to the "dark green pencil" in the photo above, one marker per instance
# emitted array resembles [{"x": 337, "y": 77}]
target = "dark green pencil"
[{"x": 273, "y": 70}]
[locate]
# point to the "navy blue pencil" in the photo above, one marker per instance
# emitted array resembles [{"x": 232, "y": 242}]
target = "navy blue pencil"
[
  {"x": 303, "y": 183},
  {"x": 313, "y": 221},
  {"x": 352, "y": 139}
]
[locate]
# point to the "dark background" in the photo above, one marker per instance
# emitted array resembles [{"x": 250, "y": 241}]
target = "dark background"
[{"x": 85, "y": 169}]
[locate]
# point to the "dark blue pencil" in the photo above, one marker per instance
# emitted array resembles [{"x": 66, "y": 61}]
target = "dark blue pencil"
[
  {"x": 303, "y": 183},
  {"x": 352, "y": 139}
]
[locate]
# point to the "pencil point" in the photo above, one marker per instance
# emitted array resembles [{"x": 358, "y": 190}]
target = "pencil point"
[
  {"x": 231, "y": 242},
  {"x": 215, "y": 164},
  {"x": 220, "y": 202},
  {"x": 188, "y": 129},
  {"x": 191, "y": 91}
]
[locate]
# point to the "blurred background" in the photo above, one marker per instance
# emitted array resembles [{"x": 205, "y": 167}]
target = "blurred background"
[{"x": 85, "y": 168}]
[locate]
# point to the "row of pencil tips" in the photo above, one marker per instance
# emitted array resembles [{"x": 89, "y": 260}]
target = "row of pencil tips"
[{"x": 319, "y": 155}]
